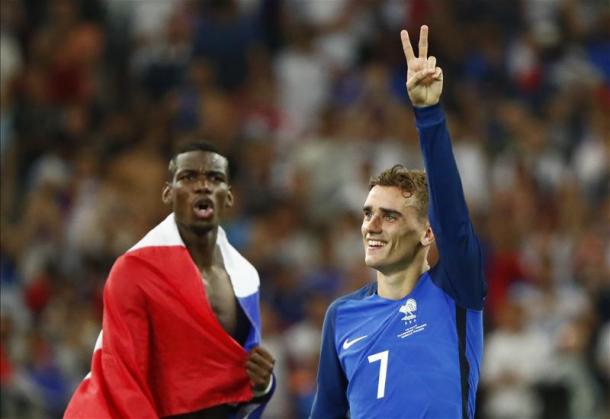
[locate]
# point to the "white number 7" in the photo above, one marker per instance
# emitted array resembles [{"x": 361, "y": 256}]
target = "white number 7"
[{"x": 383, "y": 369}]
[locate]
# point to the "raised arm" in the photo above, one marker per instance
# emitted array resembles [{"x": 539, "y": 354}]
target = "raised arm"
[{"x": 460, "y": 271}]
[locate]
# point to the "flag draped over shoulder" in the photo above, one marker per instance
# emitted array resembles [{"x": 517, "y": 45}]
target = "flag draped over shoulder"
[{"x": 162, "y": 351}]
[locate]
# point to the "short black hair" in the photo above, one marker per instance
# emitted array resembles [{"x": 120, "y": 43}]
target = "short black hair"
[{"x": 193, "y": 146}]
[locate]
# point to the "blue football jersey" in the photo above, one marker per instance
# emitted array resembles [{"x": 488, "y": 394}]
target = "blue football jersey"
[{"x": 417, "y": 357}]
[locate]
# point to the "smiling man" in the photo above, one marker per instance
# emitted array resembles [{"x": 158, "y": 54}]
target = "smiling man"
[
  {"x": 409, "y": 345},
  {"x": 181, "y": 326}
]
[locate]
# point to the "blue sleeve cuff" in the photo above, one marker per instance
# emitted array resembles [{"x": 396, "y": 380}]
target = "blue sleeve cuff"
[{"x": 428, "y": 116}]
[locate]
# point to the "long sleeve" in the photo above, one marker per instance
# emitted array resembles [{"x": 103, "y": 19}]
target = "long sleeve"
[
  {"x": 117, "y": 385},
  {"x": 330, "y": 401},
  {"x": 460, "y": 270}
]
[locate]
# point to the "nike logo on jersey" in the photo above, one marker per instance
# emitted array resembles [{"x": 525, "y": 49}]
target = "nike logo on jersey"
[{"x": 348, "y": 343}]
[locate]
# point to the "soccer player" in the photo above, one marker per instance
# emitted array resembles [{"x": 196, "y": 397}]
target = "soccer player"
[
  {"x": 181, "y": 324},
  {"x": 409, "y": 345}
]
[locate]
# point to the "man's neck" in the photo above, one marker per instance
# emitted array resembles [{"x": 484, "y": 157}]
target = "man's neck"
[
  {"x": 396, "y": 285},
  {"x": 201, "y": 246}
]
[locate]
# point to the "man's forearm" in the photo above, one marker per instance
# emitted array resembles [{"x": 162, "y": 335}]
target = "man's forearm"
[{"x": 448, "y": 210}]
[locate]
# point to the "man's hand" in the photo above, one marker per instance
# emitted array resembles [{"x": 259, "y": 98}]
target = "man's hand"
[
  {"x": 259, "y": 367},
  {"x": 424, "y": 78}
]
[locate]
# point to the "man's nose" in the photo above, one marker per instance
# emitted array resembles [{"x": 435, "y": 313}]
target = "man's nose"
[
  {"x": 203, "y": 184},
  {"x": 374, "y": 224}
]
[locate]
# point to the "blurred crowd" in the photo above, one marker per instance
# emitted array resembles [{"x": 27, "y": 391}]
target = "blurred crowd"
[{"x": 307, "y": 99}]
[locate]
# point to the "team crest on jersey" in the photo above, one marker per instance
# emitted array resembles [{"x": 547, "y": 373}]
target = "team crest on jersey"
[{"x": 409, "y": 309}]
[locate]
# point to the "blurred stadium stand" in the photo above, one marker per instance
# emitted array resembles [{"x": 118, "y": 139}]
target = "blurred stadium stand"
[{"x": 307, "y": 99}]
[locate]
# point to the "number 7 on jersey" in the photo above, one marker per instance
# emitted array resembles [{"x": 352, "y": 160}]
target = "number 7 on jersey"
[{"x": 383, "y": 370}]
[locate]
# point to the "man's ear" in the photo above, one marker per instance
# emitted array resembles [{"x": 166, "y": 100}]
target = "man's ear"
[
  {"x": 166, "y": 194},
  {"x": 229, "y": 201},
  {"x": 427, "y": 237}
]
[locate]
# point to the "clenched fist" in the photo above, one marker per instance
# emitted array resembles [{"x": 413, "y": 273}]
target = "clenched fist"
[{"x": 259, "y": 367}]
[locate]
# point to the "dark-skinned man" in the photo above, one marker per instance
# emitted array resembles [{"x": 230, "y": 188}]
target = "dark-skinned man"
[{"x": 181, "y": 326}]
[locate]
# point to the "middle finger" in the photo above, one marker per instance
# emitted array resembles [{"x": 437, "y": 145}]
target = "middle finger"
[{"x": 423, "y": 42}]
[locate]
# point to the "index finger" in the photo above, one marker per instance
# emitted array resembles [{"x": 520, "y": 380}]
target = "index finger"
[
  {"x": 263, "y": 352},
  {"x": 423, "y": 42},
  {"x": 406, "y": 45},
  {"x": 257, "y": 362}
]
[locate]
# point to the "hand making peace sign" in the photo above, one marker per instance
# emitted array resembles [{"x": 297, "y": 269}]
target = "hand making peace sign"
[{"x": 424, "y": 78}]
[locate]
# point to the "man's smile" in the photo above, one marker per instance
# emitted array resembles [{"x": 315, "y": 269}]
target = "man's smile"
[{"x": 374, "y": 244}]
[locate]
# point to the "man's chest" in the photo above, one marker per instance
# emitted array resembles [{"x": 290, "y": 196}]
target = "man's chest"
[
  {"x": 384, "y": 347},
  {"x": 221, "y": 297}
]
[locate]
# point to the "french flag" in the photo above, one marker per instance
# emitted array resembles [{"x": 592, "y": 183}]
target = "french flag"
[{"x": 161, "y": 351}]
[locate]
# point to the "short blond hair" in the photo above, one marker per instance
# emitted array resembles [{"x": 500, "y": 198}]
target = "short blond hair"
[{"x": 413, "y": 182}]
